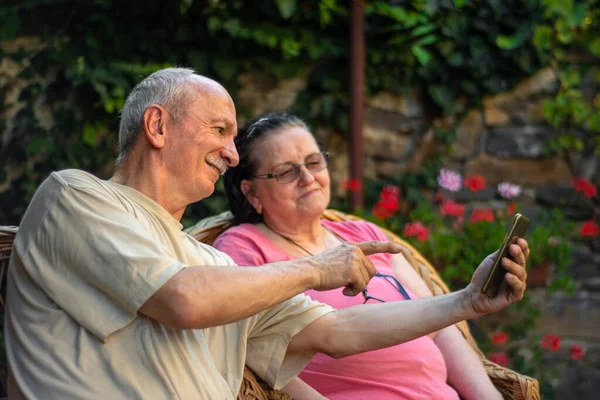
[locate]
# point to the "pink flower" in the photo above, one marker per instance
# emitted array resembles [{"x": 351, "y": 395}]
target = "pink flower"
[
  {"x": 576, "y": 352},
  {"x": 500, "y": 338},
  {"x": 589, "y": 228},
  {"x": 482, "y": 214},
  {"x": 351, "y": 184},
  {"x": 450, "y": 207},
  {"x": 416, "y": 229},
  {"x": 584, "y": 186},
  {"x": 449, "y": 180},
  {"x": 474, "y": 182},
  {"x": 551, "y": 342},
  {"x": 500, "y": 358},
  {"x": 508, "y": 190}
]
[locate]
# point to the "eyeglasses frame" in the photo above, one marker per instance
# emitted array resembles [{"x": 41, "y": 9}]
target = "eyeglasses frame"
[{"x": 297, "y": 167}]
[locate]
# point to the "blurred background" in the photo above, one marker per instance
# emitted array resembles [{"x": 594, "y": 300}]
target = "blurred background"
[{"x": 472, "y": 111}]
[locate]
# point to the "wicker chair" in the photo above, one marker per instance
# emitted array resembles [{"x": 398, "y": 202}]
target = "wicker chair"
[{"x": 512, "y": 385}]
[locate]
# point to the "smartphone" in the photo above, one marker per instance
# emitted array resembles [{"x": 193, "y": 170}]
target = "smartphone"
[{"x": 517, "y": 230}]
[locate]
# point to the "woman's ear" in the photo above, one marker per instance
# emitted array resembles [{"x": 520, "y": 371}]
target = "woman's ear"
[{"x": 248, "y": 190}]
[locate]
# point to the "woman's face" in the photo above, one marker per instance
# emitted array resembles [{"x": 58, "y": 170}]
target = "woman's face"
[{"x": 305, "y": 197}]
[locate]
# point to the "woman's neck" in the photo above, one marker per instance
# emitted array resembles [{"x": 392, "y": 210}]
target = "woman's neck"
[{"x": 309, "y": 232}]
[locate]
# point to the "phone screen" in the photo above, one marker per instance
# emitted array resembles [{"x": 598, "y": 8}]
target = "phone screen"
[{"x": 517, "y": 230}]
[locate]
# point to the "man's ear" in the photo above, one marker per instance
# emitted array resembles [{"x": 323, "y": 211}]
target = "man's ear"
[
  {"x": 154, "y": 120},
  {"x": 248, "y": 190}
]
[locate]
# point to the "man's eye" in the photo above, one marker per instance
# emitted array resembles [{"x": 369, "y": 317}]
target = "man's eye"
[{"x": 220, "y": 129}]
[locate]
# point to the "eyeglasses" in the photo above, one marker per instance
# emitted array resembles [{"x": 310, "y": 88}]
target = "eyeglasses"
[
  {"x": 392, "y": 281},
  {"x": 289, "y": 172}
]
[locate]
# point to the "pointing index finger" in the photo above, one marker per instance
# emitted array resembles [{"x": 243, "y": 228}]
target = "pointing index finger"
[{"x": 375, "y": 246}]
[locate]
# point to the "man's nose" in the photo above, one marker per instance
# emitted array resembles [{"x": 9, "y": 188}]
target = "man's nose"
[{"x": 230, "y": 155}]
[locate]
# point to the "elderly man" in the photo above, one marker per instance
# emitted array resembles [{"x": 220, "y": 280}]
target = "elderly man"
[{"x": 109, "y": 299}]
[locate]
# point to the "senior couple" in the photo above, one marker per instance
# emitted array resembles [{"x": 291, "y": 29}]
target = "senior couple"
[{"x": 109, "y": 298}]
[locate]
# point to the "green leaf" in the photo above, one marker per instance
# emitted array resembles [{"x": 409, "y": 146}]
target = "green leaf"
[
  {"x": 542, "y": 38},
  {"x": 594, "y": 46},
  {"x": 89, "y": 135},
  {"x": 442, "y": 95},
  {"x": 423, "y": 29},
  {"x": 422, "y": 55},
  {"x": 38, "y": 144},
  {"x": 286, "y": 8},
  {"x": 506, "y": 42},
  {"x": 425, "y": 40},
  {"x": 593, "y": 122},
  {"x": 577, "y": 16}
]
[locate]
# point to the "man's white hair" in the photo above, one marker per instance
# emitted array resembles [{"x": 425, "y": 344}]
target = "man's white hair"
[{"x": 168, "y": 88}]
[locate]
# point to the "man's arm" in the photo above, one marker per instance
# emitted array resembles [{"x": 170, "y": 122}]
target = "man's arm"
[
  {"x": 201, "y": 297},
  {"x": 374, "y": 326}
]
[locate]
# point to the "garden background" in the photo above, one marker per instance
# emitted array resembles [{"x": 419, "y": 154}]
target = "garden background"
[{"x": 474, "y": 110}]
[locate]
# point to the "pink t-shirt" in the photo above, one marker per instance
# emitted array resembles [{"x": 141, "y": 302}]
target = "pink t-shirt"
[{"x": 412, "y": 370}]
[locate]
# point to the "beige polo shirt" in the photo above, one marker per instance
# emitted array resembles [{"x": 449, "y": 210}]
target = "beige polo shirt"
[{"x": 88, "y": 254}]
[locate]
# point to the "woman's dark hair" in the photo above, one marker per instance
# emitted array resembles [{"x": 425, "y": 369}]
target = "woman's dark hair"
[{"x": 248, "y": 137}]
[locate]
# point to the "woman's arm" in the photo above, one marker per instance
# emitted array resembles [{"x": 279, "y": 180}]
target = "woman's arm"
[
  {"x": 300, "y": 390},
  {"x": 466, "y": 373}
]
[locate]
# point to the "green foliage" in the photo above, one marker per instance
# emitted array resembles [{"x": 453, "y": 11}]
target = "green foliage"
[
  {"x": 568, "y": 40},
  {"x": 96, "y": 51}
]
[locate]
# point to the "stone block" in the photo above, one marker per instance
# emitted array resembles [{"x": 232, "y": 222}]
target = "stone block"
[
  {"x": 551, "y": 170},
  {"x": 391, "y": 121},
  {"x": 545, "y": 81},
  {"x": 383, "y": 143},
  {"x": 579, "y": 383},
  {"x": 529, "y": 113},
  {"x": 576, "y": 316},
  {"x": 261, "y": 93},
  {"x": 468, "y": 135},
  {"x": 519, "y": 141},
  {"x": 409, "y": 105},
  {"x": 574, "y": 204},
  {"x": 495, "y": 117},
  {"x": 586, "y": 268}
]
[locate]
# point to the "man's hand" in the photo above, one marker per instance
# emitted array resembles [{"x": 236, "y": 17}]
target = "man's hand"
[
  {"x": 512, "y": 287},
  {"x": 347, "y": 265}
]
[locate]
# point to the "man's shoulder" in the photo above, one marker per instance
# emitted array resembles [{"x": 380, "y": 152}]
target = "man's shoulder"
[{"x": 76, "y": 178}]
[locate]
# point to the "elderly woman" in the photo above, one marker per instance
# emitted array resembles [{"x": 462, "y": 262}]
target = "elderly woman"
[{"x": 277, "y": 194}]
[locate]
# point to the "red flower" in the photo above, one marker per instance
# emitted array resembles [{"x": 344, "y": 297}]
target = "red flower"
[
  {"x": 500, "y": 338},
  {"x": 450, "y": 207},
  {"x": 500, "y": 358},
  {"x": 474, "y": 182},
  {"x": 511, "y": 209},
  {"x": 584, "y": 186},
  {"x": 576, "y": 352},
  {"x": 482, "y": 214},
  {"x": 388, "y": 203},
  {"x": 438, "y": 197},
  {"x": 589, "y": 228},
  {"x": 381, "y": 212},
  {"x": 551, "y": 342},
  {"x": 351, "y": 184},
  {"x": 416, "y": 229}
]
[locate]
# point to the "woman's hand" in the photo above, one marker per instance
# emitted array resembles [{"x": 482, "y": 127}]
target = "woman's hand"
[{"x": 512, "y": 288}]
